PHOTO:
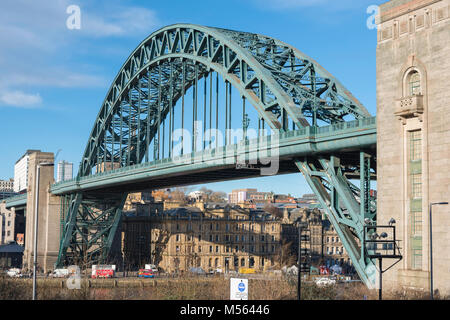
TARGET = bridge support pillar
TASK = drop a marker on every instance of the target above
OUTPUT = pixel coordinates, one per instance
(48, 215)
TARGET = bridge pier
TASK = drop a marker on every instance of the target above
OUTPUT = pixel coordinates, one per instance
(48, 215)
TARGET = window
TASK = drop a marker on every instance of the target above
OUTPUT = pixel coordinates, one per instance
(414, 83)
(415, 198)
(415, 138)
(416, 186)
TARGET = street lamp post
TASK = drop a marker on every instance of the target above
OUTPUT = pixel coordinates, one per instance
(299, 272)
(36, 211)
(431, 245)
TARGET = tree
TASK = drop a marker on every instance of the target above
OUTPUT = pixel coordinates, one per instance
(277, 212)
(218, 196)
(285, 254)
(179, 194)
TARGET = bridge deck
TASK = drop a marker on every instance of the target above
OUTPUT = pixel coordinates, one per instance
(220, 164)
(16, 201)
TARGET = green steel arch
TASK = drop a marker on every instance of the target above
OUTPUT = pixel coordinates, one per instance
(281, 82)
(284, 85)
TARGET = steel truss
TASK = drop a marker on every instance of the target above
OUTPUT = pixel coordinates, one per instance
(281, 83)
(345, 205)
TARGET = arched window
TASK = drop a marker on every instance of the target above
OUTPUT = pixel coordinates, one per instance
(414, 83)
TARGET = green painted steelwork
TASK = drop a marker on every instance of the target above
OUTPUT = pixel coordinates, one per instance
(16, 201)
(353, 135)
(282, 84)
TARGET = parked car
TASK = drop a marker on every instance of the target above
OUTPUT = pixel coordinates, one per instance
(146, 273)
(198, 271)
(14, 273)
(323, 282)
(60, 273)
(151, 267)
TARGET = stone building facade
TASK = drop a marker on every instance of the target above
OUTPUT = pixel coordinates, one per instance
(413, 116)
(208, 236)
(324, 243)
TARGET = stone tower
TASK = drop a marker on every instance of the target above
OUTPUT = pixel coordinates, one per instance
(413, 116)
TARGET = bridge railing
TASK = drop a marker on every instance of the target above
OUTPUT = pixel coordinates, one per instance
(17, 199)
(265, 140)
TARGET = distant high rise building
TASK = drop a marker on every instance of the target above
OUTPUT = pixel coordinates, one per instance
(64, 171)
(242, 195)
(21, 171)
(6, 188)
(7, 185)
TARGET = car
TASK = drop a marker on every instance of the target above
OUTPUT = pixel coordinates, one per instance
(14, 273)
(146, 273)
(152, 267)
(323, 282)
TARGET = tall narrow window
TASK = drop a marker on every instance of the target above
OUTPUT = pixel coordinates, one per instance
(414, 83)
(415, 198)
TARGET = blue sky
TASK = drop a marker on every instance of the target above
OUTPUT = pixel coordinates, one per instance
(54, 80)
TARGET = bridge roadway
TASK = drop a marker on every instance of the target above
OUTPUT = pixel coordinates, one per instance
(345, 140)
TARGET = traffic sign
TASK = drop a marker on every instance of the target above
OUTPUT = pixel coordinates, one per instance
(238, 289)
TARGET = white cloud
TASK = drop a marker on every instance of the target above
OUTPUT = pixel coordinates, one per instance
(20, 99)
(296, 4)
(122, 21)
(38, 50)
